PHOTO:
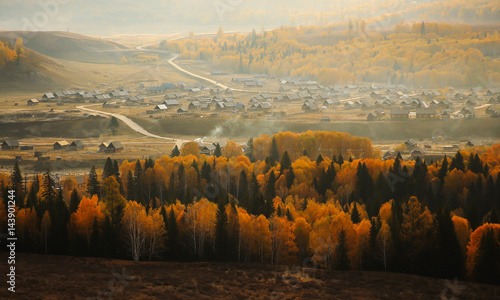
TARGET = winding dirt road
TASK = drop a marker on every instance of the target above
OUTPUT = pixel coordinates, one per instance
(133, 125)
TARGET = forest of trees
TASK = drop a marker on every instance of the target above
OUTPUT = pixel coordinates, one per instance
(420, 54)
(11, 54)
(274, 205)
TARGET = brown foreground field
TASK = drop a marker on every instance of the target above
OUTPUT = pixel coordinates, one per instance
(64, 277)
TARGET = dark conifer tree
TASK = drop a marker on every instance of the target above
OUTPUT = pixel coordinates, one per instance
(173, 233)
(116, 173)
(487, 267)
(274, 153)
(93, 185)
(290, 177)
(249, 150)
(218, 150)
(59, 216)
(205, 171)
(32, 199)
(16, 179)
(221, 233)
(355, 214)
(180, 186)
(285, 163)
(74, 201)
(450, 256)
(49, 190)
(340, 160)
(131, 192)
(243, 193)
(108, 169)
(270, 192)
(341, 259)
(444, 169)
(175, 152)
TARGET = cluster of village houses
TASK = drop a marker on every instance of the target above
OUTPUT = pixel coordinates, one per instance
(63, 145)
(380, 103)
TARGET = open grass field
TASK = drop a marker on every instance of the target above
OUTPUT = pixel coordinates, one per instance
(234, 127)
(64, 277)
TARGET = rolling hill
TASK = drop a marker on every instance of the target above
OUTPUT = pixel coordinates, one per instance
(68, 46)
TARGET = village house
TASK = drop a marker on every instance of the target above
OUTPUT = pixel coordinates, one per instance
(331, 103)
(161, 108)
(309, 106)
(76, 145)
(376, 115)
(10, 145)
(32, 102)
(489, 110)
(60, 145)
(48, 96)
(182, 111)
(264, 106)
(468, 112)
(399, 114)
(428, 113)
(103, 146)
(172, 102)
(410, 144)
(194, 105)
(417, 153)
(446, 114)
(114, 147)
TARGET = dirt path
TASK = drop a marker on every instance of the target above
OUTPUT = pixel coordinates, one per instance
(134, 126)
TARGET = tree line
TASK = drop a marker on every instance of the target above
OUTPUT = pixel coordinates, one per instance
(419, 54)
(429, 218)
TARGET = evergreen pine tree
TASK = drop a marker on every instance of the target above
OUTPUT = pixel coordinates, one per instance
(341, 258)
(285, 163)
(218, 150)
(450, 254)
(173, 232)
(444, 169)
(116, 172)
(221, 233)
(274, 153)
(108, 169)
(249, 150)
(487, 267)
(74, 201)
(17, 184)
(175, 152)
(131, 192)
(340, 160)
(243, 193)
(355, 214)
(93, 185)
(270, 192)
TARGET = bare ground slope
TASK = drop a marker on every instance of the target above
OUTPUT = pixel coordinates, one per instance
(64, 277)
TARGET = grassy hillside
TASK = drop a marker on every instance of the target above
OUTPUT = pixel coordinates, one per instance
(28, 70)
(69, 46)
(86, 278)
